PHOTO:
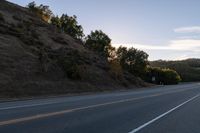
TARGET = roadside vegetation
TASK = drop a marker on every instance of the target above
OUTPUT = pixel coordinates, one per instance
(120, 60)
(164, 76)
(189, 70)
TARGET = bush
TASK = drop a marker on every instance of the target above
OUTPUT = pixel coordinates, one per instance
(70, 64)
(162, 76)
(1, 17)
(71, 69)
(59, 39)
(15, 30)
(170, 76)
(27, 24)
(17, 18)
(42, 11)
(116, 69)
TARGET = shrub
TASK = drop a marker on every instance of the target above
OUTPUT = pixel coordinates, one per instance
(1, 17)
(116, 69)
(20, 25)
(17, 18)
(15, 31)
(162, 76)
(59, 39)
(170, 76)
(34, 34)
(70, 64)
(27, 24)
(71, 69)
(42, 11)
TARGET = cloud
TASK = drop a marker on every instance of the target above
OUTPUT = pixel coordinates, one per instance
(192, 29)
(185, 44)
(174, 50)
(142, 46)
(180, 45)
(189, 37)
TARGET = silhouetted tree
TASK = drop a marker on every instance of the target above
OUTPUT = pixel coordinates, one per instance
(133, 60)
(42, 11)
(56, 21)
(69, 25)
(99, 42)
(32, 5)
(162, 76)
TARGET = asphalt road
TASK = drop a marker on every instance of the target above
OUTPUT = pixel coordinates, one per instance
(165, 109)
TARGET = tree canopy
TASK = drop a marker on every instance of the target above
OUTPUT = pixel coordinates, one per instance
(162, 76)
(42, 11)
(69, 25)
(133, 60)
(100, 42)
(122, 59)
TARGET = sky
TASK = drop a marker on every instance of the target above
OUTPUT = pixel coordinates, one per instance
(165, 29)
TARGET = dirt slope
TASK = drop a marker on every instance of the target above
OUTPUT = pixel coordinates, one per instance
(35, 57)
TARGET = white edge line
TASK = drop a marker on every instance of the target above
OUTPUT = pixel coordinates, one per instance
(162, 115)
(71, 110)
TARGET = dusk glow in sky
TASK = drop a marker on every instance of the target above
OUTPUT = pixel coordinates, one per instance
(165, 29)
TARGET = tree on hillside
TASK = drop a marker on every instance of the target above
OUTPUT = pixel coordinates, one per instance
(32, 5)
(133, 60)
(42, 11)
(122, 53)
(55, 20)
(99, 42)
(69, 25)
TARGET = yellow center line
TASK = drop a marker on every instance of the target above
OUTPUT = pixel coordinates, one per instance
(39, 116)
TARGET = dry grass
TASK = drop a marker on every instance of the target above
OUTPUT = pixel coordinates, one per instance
(38, 60)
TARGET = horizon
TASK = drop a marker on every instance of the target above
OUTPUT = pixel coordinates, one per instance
(167, 30)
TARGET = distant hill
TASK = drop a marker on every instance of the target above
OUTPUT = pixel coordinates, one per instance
(35, 58)
(189, 69)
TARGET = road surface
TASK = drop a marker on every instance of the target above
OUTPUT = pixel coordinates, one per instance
(164, 109)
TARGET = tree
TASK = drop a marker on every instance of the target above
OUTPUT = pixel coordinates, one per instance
(32, 5)
(45, 12)
(70, 26)
(111, 53)
(162, 76)
(42, 11)
(133, 60)
(56, 21)
(99, 42)
(122, 53)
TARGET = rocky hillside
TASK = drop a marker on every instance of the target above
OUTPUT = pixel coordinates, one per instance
(37, 59)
